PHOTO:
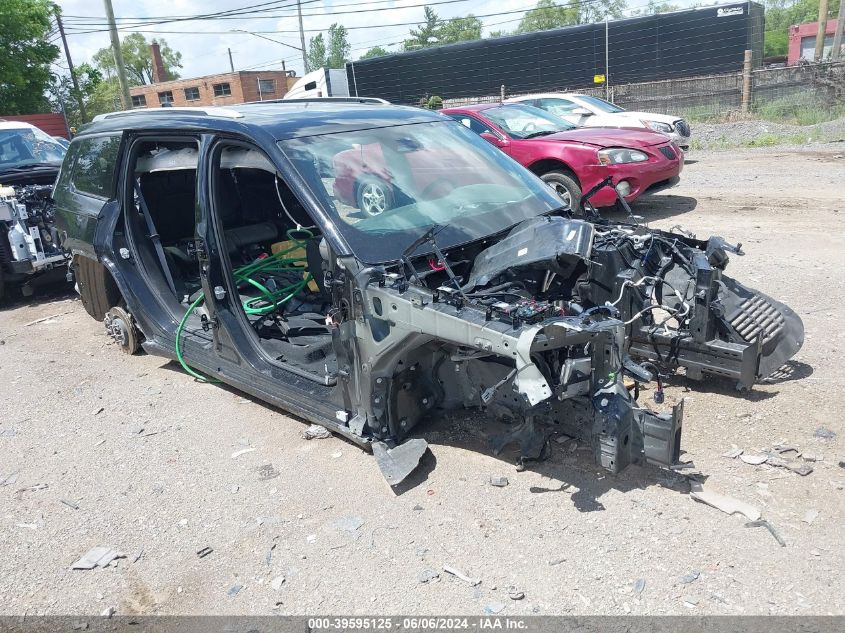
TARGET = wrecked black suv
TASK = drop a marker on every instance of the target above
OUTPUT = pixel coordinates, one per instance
(365, 266)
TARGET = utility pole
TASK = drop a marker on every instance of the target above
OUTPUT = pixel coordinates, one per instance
(231, 63)
(837, 39)
(118, 56)
(606, 58)
(302, 38)
(76, 90)
(822, 30)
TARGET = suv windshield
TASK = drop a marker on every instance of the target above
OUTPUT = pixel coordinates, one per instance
(523, 121)
(601, 104)
(27, 146)
(386, 186)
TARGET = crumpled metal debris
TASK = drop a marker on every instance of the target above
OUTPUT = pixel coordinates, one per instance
(399, 462)
(98, 557)
(769, 527)
(726, 504)
(316, 432)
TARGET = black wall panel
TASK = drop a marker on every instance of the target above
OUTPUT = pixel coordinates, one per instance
(703, 41)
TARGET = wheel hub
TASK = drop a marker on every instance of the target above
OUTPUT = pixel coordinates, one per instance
(121, 327)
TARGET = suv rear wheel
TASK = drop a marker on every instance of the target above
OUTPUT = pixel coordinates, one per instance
(98, 290)
(564, 185)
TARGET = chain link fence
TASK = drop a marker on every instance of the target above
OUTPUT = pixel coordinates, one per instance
(774, 91)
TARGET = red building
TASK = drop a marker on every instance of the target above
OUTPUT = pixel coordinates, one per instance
(52, 123)
(802, 41)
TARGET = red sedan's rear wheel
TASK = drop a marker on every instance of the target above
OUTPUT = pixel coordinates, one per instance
(374, 196)
(564, 185)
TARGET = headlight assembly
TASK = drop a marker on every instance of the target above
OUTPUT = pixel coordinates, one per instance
(658, 126)
(620, 156)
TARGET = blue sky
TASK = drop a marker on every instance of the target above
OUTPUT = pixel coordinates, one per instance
(205, 52)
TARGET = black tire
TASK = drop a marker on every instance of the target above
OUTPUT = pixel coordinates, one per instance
(98, 290)
(373, 196)
(2, 283)
(566, 186)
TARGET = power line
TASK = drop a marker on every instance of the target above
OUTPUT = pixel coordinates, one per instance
(348, 28)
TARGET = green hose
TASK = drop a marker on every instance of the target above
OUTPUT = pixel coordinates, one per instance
(268, 300)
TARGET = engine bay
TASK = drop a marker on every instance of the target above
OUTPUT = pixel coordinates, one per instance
(29, 240)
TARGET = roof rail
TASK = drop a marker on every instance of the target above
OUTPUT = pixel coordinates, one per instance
(370, 100)
(226, 113)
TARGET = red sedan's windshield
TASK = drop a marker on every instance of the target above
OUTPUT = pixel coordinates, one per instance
(386, 186)
(522, 122)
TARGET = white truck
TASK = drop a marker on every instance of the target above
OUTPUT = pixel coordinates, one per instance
(323, 82)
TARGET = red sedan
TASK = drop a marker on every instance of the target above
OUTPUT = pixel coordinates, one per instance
(572, 160)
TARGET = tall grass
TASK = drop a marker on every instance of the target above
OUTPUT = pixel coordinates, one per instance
(799, 110)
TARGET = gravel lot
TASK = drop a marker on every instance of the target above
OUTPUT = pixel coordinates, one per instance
(100, 449)
(739, 133)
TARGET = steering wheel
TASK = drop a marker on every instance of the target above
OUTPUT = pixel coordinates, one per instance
(529, 127)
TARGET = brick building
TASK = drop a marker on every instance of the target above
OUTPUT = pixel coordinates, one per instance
(211, 90)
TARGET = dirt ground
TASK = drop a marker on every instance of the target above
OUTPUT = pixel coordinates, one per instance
(100, 449)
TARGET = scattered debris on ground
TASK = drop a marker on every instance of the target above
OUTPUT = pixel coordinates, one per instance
(97, 557)
(316, 432)
(266, 472)
(205, 551)
(764, 523)
(428, 575)
(461, 576)
(499, 482)
(726, 504)
(243, 451)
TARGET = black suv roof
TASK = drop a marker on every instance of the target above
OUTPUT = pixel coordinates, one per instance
(279, 119)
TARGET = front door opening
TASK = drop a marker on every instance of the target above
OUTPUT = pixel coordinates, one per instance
(276, 256)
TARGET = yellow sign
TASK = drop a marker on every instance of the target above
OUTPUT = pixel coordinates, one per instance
(598, 79)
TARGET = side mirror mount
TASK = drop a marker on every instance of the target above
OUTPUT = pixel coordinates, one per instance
(582, 112)
(492, 138)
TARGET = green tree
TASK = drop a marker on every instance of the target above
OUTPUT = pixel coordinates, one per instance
(137, 59)
(775, 43)
(375, 51)
(104, 98)
(460, 30)
(548, 14)
(591, 12)
(654, 7)
(339, 47)
(62, 94)
(426, 34)
(26, 55)
(499, 33)
(316, 56)
(781, 14)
